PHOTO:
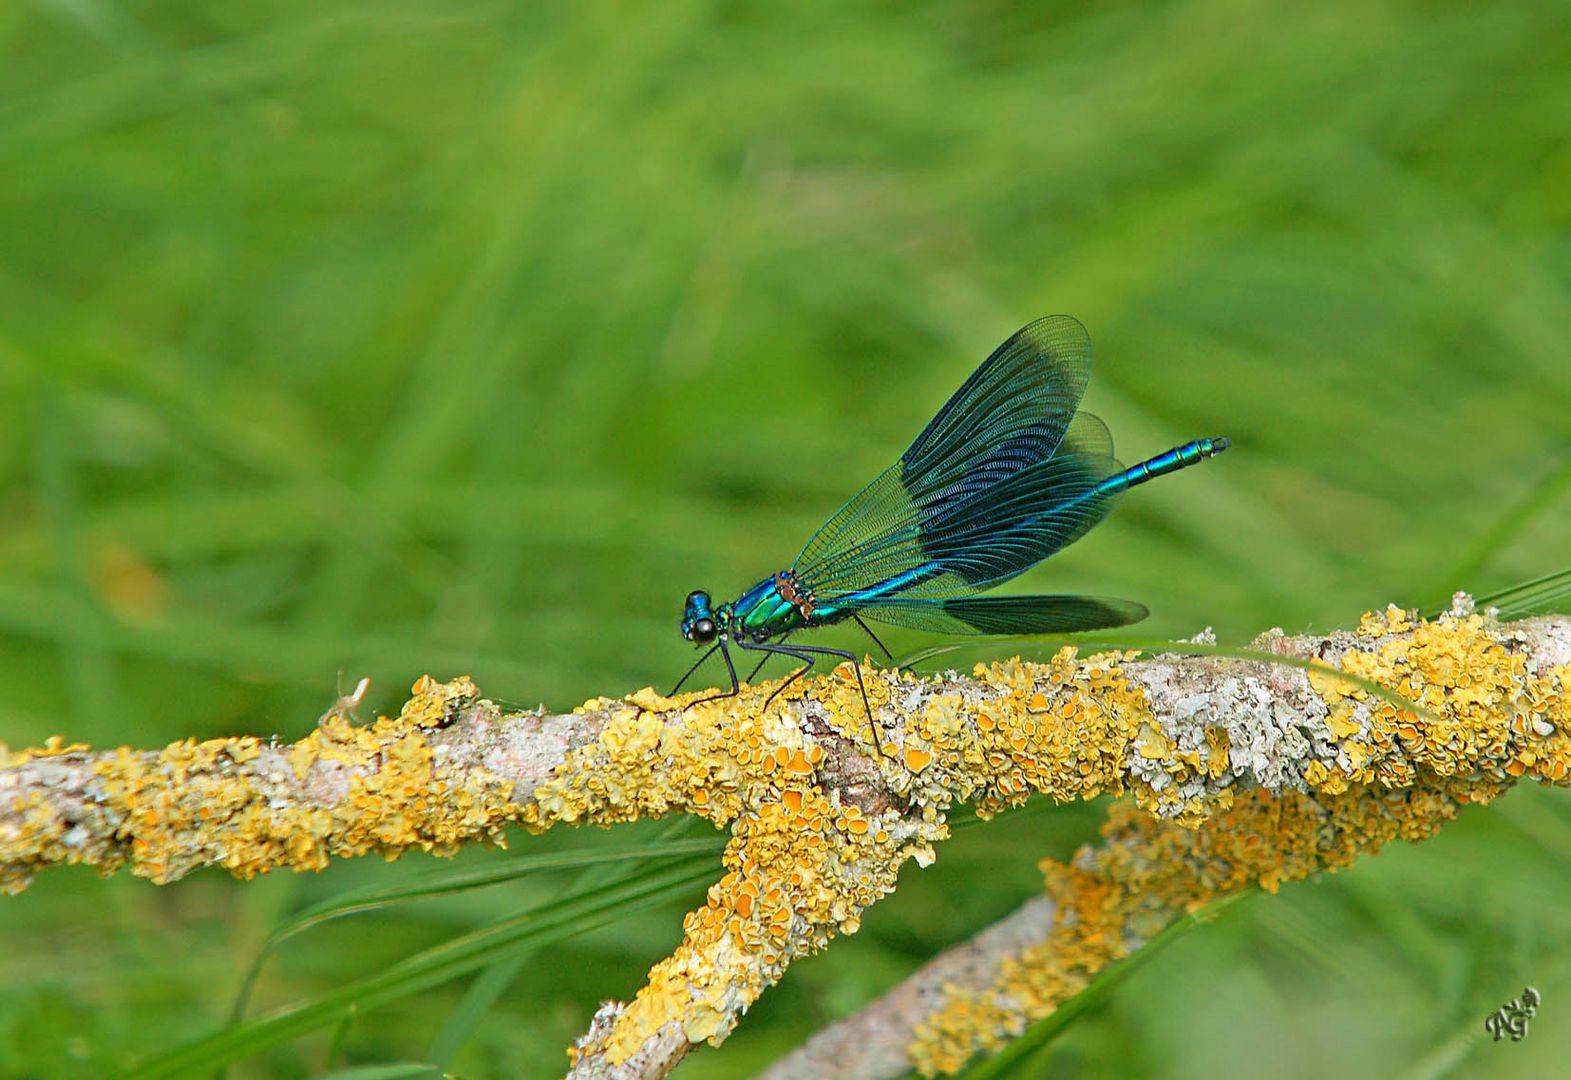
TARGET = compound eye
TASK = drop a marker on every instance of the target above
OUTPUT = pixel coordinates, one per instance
(695, 596)
(704, 631)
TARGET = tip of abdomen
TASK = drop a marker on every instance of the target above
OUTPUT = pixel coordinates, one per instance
(1215, 446)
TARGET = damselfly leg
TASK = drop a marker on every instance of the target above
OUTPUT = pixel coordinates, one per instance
(725, 654)
(887, 654)
(765, 659)
(808, 655)
(689, 674)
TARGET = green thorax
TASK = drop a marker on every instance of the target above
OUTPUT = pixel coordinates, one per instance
(773, 607)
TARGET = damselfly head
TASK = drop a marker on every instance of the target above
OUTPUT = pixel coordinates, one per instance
(698, 622)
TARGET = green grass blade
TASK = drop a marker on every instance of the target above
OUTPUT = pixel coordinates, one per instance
(493, 982)
(1511, 523)
(477, 1001)
(335, 1047)
(450, 882)
(542, 925)
(1529, 597)
(401, 1070)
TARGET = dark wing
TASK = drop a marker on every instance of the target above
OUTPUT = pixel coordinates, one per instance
(1008, 614)
(1011, 413)
(973, 533)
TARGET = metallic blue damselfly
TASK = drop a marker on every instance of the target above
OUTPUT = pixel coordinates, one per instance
(1006, 474)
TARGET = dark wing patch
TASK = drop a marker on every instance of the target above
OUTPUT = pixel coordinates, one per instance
(972, 535)
(1003, 615)
(1012, 413)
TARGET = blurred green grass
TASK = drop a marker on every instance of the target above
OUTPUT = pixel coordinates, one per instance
(409, 337)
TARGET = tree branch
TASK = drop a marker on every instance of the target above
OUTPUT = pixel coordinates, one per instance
(820, 823)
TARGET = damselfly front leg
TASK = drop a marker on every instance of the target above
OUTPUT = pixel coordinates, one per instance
(765, 659)
(725, 653)
(808, 655)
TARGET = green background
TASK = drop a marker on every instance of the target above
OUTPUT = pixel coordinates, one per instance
(381, 339)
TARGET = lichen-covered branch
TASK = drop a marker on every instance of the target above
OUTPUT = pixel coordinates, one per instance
(1302, 769)
(1500, 699)
(1110, 901)
(880, 1040)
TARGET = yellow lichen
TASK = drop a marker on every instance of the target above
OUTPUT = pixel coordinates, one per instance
(371, 788)
(802, 865)
(806, 858)
(1486, 718)
(1146, 874)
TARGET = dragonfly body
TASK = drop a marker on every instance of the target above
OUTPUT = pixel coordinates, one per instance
(1006, 473)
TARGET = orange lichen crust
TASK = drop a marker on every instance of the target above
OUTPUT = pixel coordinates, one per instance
(1146, 874)
(813, 843)
(821, 814)
(818, 836)
(1489, 709)
(249, 805)
(1385, 773)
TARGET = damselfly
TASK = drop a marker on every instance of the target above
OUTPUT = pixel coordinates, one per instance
(1006, 474)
